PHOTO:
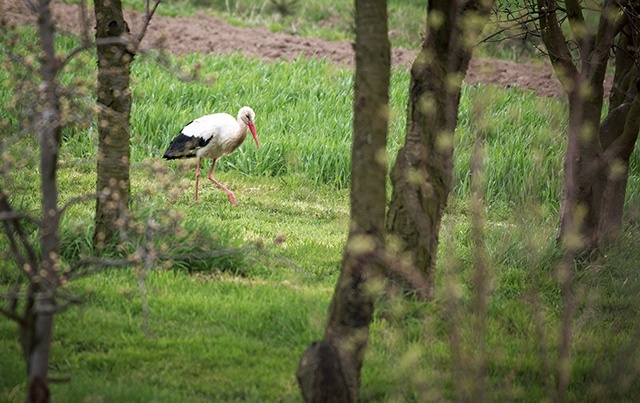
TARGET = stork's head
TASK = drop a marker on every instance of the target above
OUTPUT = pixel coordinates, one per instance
(248, 116)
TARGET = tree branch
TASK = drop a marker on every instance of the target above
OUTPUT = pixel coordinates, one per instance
(14, 215)
(147, 19)
(578, 25)
(91, 44)
(556, 45)
(78, 199)
(12, 228)
(607, 30)
(204, 255)
(96, 265)
(12, 316)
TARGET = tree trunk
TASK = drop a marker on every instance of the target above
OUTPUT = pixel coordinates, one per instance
(583, 181)
(421, 176)
(585, 178)
(329, 371)
(620, 137)
(40, 321)
(619, 132)
(114, 111)
(590, 148)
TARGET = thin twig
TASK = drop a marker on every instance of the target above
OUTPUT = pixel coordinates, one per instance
(147, 20)
(91, 44)
(96, 265)
(12, 316)
(78, 199)
(204, 255)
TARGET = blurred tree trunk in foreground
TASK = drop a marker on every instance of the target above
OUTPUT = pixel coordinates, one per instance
(49, 132)
(421, 176)
(33, 305)
(33, 309)
(329, 370)
(114, 112)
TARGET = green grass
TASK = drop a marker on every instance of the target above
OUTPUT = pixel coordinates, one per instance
(233, 328)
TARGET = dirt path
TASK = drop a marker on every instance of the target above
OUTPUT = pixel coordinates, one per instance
(206, 34)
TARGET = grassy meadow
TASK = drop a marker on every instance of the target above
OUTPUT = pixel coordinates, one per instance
(233, 327)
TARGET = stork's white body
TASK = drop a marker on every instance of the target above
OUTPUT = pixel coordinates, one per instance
(213, 136)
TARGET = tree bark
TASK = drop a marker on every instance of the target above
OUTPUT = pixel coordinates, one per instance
(619, 133)
(590, 185)
(421, 176)
(49, 131)
(596, 165)
(329, 371)
(114, 111)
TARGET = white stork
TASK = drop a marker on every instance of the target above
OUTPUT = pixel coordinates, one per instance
(213, 136)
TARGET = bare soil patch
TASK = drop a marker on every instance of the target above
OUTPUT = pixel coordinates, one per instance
(208, 35)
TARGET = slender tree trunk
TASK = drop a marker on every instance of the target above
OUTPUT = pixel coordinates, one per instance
(329, 371)
(114, 111)
(49, 138)
(421, 176)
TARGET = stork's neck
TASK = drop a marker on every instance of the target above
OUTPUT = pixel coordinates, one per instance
(243, 127)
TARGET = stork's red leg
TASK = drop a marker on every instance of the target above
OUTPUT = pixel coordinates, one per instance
(232, 197)
(197, 175)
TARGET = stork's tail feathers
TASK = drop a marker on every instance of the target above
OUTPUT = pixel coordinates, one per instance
(184, 147)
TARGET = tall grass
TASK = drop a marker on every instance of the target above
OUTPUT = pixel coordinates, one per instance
(304, 117)
(294, 119)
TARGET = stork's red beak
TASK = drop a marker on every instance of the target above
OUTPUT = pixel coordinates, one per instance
(253, 133)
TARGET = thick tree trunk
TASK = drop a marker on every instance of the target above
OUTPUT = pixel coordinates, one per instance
(114, 111)
(583, 181)
(329, 371)
(421, 176)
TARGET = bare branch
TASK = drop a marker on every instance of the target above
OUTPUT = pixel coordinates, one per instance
(96, 265)
(78, 199)
(12, 228)
(13, 215)
(92, 44)
(518, 22)
(205, 255)
(70, 301)
(147, 19)
(12, 316)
